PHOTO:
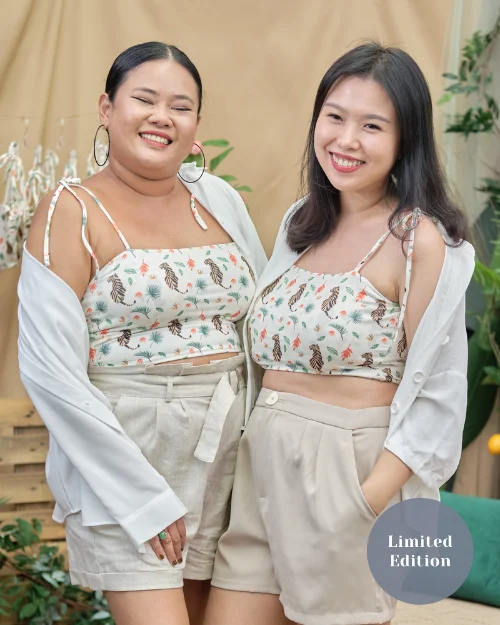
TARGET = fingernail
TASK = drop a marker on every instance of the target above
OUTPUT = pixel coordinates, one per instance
(161, 556)
(174, 562)
(180, 560)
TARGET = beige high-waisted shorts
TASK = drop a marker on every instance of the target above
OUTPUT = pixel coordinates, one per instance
(187, 422)
(299, 520)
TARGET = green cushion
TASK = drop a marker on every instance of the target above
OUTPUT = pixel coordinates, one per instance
(482, 517)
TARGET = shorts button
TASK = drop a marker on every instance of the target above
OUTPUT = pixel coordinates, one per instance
(445, 340)
(272, 399)
(395, 407)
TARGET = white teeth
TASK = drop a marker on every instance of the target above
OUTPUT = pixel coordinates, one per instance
(345, 163)
(156, 138)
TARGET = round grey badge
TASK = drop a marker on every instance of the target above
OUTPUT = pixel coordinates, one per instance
(420, 551)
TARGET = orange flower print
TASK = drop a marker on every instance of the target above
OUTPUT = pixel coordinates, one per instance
(263, 335)
(154, 325)
(343, 313)
(191, 263)
(140, 361)
(89, 310)
(193, 331)
(136, 317)
(92, 287)
(383, 340)
(122, 319)
(296, 342)
(346, 353)
(188, 305)
(236, 314)
(144, 268)
(229, 300)
(189, 285)
(191, 351)
(319, 289)
(202, 317)
(332, 333)
(138, 294)
(104, 332)
(92, 352)
(291, 283)
(361, 295)
(233, 280)
(232, 258)
(142, 339)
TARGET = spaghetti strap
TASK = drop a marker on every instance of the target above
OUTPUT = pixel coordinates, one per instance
(99, 204)
(383, 238)
(64, 184)
(409, 258)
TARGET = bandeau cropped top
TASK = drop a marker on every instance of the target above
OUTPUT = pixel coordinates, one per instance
(331, 324)
(151, 306)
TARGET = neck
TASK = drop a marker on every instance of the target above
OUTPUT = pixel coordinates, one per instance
(357, 202)
(118, 175)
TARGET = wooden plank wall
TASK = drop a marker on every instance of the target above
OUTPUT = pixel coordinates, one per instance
(24, 443)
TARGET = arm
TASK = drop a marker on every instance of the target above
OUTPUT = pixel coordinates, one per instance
(391, 472)
(53, 358)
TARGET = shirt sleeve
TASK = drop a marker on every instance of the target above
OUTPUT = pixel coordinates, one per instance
(53, 356)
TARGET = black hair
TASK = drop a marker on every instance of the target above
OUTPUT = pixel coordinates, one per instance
(417, 178)
(141, 53)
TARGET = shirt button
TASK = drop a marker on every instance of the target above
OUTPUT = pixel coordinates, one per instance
(272, 399)
(394, 407)
(445, 340)
(418, 377)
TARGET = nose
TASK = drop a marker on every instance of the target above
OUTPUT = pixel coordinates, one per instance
(347, 137)
(161, 116)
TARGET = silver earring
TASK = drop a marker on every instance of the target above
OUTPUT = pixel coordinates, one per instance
(394, 180)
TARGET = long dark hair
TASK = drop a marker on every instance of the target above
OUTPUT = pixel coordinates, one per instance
(141, 53)
(420, 178)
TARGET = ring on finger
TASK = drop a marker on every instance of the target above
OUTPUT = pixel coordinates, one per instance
(162, 535)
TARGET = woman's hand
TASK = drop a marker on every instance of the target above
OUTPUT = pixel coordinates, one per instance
(374, 499)
(170, 542)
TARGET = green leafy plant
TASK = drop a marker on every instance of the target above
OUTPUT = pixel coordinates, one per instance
(474, 80)
(37, 590)
(213, 163)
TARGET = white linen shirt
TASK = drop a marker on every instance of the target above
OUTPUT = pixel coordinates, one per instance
(428, 410)
(92, 465)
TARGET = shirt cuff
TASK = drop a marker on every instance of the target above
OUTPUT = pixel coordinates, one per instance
(154, 517)
(412, 461)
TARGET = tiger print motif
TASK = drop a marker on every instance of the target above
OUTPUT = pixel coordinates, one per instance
(330, 301)
(388, 374)
(316, 360)
(124, 339)
(379, 313)
(269, 289)
(171, 279)
(175, 327)
(368, 362)
(215, 273)
(250, 271)
(403, 344)
(295, 298)
(118, 291)
(277, 348)
(216, 320)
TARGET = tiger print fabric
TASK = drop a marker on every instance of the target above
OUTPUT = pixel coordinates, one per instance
(331, 324)
(150, 306)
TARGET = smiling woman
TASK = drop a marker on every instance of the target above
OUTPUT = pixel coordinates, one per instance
(143, 440)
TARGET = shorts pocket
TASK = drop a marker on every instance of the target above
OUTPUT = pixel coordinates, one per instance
(354, 473)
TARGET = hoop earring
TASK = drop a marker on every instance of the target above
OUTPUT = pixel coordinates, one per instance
(109, 146)
(202, 171)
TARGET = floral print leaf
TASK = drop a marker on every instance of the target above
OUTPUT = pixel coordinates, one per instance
(321, 338)
(304, 324)
(344, 298)
(144, 354)
(130, 281)
(344, 280)
(130, 270)
(332, 350)
(287, 340)
(197, 346)
(156, 337)
(159, 309)
(355, 334)
(349, 290)
(374, 346)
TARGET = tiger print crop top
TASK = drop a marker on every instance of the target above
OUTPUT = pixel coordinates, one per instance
(331, 324)
(152, 306)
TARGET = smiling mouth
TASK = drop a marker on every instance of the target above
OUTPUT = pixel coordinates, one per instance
(155, 138)
(344, 162)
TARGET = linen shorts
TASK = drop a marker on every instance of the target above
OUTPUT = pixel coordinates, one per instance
(187, 422)
(299, 520)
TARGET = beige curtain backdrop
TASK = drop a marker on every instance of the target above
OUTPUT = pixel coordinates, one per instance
(260, 62)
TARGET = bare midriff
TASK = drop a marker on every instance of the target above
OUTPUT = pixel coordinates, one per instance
(346, 392)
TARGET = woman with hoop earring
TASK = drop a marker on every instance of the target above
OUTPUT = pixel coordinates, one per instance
(133, 289)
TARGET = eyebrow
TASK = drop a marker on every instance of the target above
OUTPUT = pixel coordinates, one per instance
(369, 116)
(153, 92)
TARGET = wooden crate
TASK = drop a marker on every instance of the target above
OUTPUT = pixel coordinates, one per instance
(24, 443)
